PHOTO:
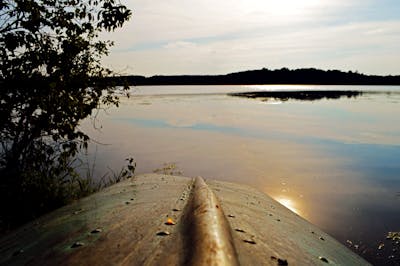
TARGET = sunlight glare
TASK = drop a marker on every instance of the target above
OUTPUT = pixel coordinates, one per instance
(289, 6)
(288, 203)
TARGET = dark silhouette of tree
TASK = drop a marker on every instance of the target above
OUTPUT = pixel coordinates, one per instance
(50, 78)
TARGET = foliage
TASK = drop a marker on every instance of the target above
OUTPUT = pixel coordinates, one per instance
(50, 78)
(87, 185)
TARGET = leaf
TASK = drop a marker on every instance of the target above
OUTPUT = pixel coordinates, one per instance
(49, 59)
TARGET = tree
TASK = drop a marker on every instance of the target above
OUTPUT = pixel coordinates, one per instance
(50, 78)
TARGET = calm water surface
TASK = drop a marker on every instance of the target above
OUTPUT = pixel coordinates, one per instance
(334, 162)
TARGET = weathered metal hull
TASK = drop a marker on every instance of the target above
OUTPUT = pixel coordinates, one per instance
(168, 220)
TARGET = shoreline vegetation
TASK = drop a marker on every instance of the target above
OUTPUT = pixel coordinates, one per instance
(51, 79)
(307, 76)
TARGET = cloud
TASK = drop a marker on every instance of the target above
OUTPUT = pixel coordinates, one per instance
(180, 45)
(204, 37)
(165, 21)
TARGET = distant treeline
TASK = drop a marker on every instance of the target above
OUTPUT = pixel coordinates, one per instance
(266, 76)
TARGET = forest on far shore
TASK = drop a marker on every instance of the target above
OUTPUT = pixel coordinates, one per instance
(265, 76)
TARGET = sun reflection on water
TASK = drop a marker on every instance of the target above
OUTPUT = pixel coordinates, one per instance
(289, 203)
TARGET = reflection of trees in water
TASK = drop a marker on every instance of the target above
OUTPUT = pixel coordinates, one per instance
(298, 95)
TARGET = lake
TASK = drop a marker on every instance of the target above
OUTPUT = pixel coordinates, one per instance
(335, 162)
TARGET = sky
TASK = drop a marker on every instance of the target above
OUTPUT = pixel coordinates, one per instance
(171, 37)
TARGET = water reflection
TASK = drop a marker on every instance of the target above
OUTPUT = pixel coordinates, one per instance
(288, 203)
(304, 95)
(336, 163)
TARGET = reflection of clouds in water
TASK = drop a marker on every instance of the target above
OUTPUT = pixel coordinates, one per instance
(372, 137)
(238, 140)
(181, 123)
(303, 124)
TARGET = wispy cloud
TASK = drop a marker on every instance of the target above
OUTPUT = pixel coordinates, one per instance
(205, 37)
